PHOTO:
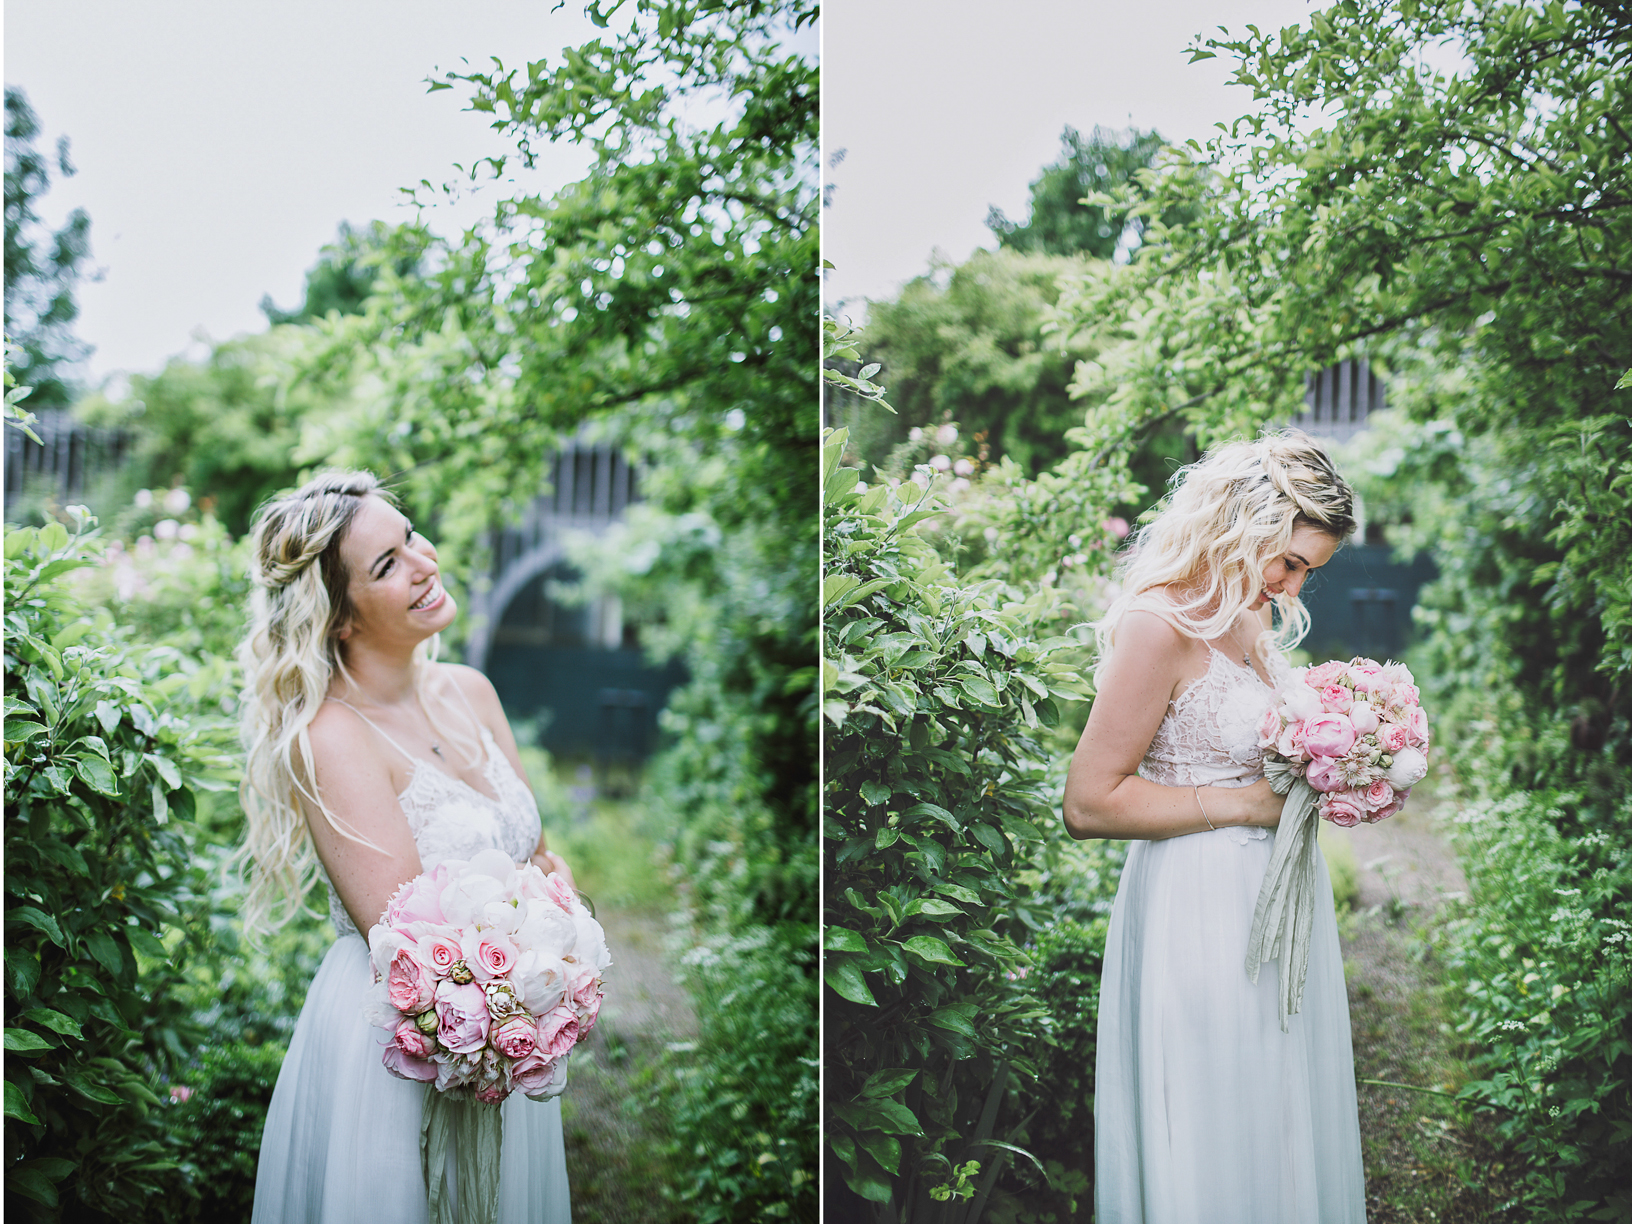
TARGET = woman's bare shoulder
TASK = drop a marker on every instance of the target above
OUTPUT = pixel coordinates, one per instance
(476, 687)
(1146, 630)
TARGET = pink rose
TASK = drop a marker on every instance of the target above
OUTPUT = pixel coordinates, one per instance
(410, 985)
(557, 1031)
(1328, 735)
(587, 1013)
(1417, 727)
(1323, 774)
(1291, 745)
(489, 954)
(179, 1093)
(492, 1094)
(1378, 795)
(514, 1038)
(559, 891)
(461, 1013)
(533, 1072)
(1326, 673)
(412, 1041)
(1336, 698)
(440, 952)
(406, 1067)
(1367, 675)
(419, 900)
(1364, 717)
(1343, 809)
(1391, 737)
(1394, 805)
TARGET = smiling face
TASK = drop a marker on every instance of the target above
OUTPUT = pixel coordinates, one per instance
(1309, 549)
(394, 585)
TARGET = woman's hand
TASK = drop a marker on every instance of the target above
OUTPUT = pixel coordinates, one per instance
(548, 861)
(1258, 806)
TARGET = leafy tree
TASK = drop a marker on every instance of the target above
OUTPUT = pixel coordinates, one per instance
(1059, 222)
(41, 269)
(346, 273)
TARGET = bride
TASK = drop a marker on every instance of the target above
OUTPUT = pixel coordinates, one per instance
(1205, 1112)
(368, 762)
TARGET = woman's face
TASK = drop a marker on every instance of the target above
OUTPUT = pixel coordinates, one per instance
(1309, 549)
(396, 593)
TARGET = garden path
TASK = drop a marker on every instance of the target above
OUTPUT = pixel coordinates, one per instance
(1425, 1160)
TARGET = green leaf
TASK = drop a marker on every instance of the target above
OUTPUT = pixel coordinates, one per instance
(161, 805)
(886, 1149)
(108, 715)
(841, 939)
(166, 769)
(29, 916)
(21, 730)
(978, 690)
(16, 1104)
(93, 1092)
(53, 1020)
(105, 949)
(31, 1183)
(97, 774)
(846, 980)
(146, 943)
(21, 1041)
(881, 1114)
(931, 949)
(875, 793)
(935, 811)
(888, 1082)
(951, 1020)
(869, 1181)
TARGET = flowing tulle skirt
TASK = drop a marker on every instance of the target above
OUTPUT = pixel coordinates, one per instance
(1205, 1112)
(341, 1144)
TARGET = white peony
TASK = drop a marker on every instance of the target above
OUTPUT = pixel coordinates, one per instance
(1410, 767)
(1301, 702)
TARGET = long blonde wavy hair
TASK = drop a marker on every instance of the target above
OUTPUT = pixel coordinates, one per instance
(1226, 518)
(289, 656)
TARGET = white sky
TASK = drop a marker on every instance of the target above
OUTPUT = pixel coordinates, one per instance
(946, 107)
(219, 145)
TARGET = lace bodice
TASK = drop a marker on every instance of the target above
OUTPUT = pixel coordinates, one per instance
(1209, 736)
(450, 819)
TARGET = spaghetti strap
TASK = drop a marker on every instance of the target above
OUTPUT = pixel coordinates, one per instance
(481, 727)
(412, 759)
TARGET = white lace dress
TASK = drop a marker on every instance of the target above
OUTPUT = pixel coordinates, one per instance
(1205, 1112)
(341, 1144)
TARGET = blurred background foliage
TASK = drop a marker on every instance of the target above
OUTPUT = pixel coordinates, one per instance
(666, 303)
(1465, 226)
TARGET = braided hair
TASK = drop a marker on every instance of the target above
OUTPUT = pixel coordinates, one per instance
(1226, 518)
(289, 656)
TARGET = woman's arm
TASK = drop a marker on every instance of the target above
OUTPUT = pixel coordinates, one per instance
(484, 702)
(1104, 796)
(355, 782)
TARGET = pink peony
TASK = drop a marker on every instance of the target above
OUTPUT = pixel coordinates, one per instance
(411, 1041)
(1269, 728)
(462, 1020)
(410, 985)
(1364, 717)
(1417, 726)
(1326, 673)
(515, 1037)
(1378, 795)
(1344, 809)
(1323, 774)
(1367, 675)
(558, 890)
(489, 954)
(533, 1072)
(1290, 745)
(1328, 735)
(419, 900)
(407, 1067)
(557, 1031)
(1336, 699)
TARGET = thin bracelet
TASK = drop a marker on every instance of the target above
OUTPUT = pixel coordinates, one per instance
(1204, 816)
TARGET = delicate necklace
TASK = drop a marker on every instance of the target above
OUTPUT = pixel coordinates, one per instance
(437, 748)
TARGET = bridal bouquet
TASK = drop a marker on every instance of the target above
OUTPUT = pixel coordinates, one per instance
(486, 976)
(1348, 740)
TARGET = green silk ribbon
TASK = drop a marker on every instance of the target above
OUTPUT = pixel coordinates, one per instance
(1284, 917)
(474, 1131)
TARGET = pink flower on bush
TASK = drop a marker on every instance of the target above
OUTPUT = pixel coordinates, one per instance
(1328, 735)
(557, 1031)
(410, 985)
(1336, 698)
(1344, 809)
(515, 1037)
(461, 1013)
(179, 1093)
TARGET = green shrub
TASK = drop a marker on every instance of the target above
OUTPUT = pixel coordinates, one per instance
(937, 781)
(216, 1127)
(104, 752)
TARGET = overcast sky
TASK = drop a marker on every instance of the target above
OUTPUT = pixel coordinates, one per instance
(945, 107)
(220, 145)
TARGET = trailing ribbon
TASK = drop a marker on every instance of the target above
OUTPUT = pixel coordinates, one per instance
(474, 1131)
(1285, 914)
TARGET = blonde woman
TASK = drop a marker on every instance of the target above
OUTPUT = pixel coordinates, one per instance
(368, 762)
(1205, 1112)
